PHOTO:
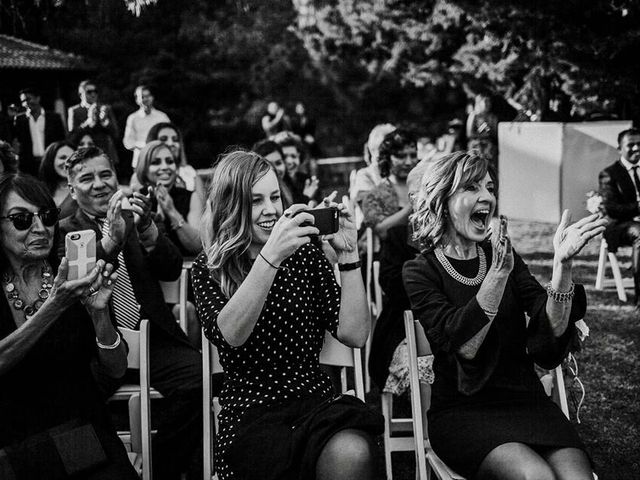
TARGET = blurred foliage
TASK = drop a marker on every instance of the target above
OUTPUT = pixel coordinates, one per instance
(524, 51)
(214, 64)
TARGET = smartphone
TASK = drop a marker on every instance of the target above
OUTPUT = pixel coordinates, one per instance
(150, 192)
(80, 250)
(327, 220)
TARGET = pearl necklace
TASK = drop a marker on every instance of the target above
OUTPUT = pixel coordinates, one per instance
(477, 280)
(17, 303)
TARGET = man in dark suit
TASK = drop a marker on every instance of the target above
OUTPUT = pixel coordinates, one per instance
(35, 130)
(620, 190)
(95, 118)
(128, 237)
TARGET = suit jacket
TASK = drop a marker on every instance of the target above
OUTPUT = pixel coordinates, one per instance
(619, 201)
(53, 132)
(103, 136)
(163, 263)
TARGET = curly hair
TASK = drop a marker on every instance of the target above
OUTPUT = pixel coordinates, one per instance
(446, 176)
(392, 144)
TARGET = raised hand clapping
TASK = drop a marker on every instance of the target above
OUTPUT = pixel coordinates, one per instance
(569, 240)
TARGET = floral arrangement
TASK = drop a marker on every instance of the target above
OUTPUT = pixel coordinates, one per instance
(594, 202)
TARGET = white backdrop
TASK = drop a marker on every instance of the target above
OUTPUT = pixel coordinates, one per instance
(545, 167)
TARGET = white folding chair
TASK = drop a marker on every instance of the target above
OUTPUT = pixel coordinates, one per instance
(139, 397)
(617, 281)
(398, 433)
(420, 400)
(336, 354)
(176, 292)
(210, 405)
(374, 300)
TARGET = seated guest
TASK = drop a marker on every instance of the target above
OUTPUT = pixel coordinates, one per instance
(178, 208)
(53, 172)
(387, 205)
(304, 188)
(388, 365)
(266, 295)
(169, 134)
(368, 177)
(272, 153)
(8, 158)
(128, 236)
(82, 138)
(55, 336)
(620, 187)
(488, 320)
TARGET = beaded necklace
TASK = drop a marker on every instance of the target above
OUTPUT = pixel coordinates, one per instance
(477, 280)
(19, 304)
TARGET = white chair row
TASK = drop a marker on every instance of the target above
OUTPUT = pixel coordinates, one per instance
(601, 282)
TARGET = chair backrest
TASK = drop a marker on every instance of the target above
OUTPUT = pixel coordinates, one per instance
(140, 403)
(337, 354)
(176, 292)
(418, 346)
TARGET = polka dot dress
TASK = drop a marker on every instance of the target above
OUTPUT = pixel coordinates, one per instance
(279, 361)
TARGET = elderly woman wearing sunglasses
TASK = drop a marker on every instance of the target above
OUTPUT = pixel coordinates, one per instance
(56, 336)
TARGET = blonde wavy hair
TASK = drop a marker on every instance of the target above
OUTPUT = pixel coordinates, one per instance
(226, 228)
(440, 182)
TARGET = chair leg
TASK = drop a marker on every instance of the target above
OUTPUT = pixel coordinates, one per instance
(387, 413)
(617, 277)
(602, 260)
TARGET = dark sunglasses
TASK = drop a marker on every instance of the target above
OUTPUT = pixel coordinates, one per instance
(24, 220)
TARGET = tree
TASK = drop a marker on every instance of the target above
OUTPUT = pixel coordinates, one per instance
(521, 50)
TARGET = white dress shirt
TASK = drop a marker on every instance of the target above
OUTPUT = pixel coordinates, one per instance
(36, 128)
(138, 125)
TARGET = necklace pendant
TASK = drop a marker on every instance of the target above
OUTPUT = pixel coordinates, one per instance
(10, 287)
(18, 304)
(43, 293)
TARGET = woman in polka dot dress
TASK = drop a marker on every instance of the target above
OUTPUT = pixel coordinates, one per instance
(265, 296)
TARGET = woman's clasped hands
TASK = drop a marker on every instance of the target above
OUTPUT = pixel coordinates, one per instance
(502, 258)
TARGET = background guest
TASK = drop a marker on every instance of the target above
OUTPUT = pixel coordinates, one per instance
(304, 187)
(53, 172)
(387, 205)
(140, 122)
(178, 209)
(34, 130)
(8, 158)
(272, 153)
(97, 117)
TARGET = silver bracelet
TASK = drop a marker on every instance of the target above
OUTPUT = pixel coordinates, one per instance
(561, 297)
(115, 345)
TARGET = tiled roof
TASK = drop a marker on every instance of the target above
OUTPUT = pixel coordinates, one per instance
(16, 53)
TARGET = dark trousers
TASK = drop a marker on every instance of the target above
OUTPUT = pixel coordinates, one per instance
(630, 235)
(176, 372)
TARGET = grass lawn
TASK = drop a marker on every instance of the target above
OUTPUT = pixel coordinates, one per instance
(609, 364)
